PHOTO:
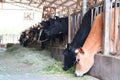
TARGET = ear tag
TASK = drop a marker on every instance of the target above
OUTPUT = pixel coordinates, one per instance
(76, 51)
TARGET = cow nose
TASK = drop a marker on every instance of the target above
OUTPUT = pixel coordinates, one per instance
(75, 74)
(65, 68)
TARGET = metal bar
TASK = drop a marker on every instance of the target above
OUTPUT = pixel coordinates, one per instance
(96, 11)
(69, 25)
(60, 14)
(92, 16)
(119, 27)
(110, 23)
(106, 17)
(114, 45)
(84, 7)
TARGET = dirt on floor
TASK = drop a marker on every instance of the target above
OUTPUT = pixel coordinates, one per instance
(20, 63)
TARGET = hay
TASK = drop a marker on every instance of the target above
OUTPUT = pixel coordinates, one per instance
(39, 62)
(31, 56)
(56, 69)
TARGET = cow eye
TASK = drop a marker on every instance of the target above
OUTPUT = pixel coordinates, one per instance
(77, 60)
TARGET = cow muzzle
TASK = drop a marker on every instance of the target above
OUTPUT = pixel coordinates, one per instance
(65, 68)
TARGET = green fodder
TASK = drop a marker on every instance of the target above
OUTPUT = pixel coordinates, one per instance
(31, 56)
(57, 69)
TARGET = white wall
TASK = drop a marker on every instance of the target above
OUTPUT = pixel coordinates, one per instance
(12, 19)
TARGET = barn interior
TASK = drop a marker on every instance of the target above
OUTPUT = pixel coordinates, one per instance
(37, 60)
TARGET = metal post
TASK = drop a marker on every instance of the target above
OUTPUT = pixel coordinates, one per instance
(69, 25)
(114, 45)
(92, 17)
(60, 14)
(84, 7)
(106, 27)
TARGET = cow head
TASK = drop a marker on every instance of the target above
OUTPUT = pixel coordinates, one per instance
(79, 53)
(84, 61)
(69, 58)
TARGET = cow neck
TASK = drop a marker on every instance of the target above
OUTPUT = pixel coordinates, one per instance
(91, 40)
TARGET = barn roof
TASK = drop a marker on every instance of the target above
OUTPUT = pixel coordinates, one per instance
(58, 4)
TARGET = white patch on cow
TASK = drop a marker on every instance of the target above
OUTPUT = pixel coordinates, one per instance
(79, 73)
(76, 51)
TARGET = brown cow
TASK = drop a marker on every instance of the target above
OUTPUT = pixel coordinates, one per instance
(93, 44)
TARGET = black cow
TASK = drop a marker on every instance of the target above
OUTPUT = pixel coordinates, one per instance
(52, 28)
(59, 26)
(78, 41)
(41, 35)
(22, 37)
(58, 29)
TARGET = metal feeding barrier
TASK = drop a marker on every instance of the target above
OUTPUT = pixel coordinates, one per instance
(9, 38)
(106, 8)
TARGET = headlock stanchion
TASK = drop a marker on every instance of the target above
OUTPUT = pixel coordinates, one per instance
(106, 28)
(69, 25)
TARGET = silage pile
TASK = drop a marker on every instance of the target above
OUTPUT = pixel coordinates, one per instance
(31, 56)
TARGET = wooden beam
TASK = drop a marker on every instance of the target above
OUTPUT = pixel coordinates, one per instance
(106, 46)
(52, 2)
(41, 3)
(72, 4)
(20, 0)
(30, 2)
(62, 3)
(1, 0)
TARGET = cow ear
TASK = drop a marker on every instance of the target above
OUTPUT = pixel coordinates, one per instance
(81, 50)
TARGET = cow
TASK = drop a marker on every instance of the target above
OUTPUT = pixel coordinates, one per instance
(58, 28)
(93, 44)
(52, 28)
(24, 38)
(78, 41)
